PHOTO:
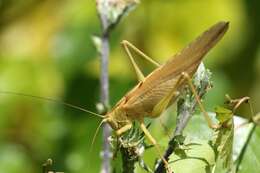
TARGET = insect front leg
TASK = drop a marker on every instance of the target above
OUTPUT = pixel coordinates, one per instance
(153, 141)
(126, 45)
(124, 129)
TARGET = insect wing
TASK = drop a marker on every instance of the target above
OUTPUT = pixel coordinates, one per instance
(143, 98)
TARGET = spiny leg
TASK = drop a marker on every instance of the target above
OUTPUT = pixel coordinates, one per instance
(153, 141)
(126, 45)
(162, 105)
(205, 114)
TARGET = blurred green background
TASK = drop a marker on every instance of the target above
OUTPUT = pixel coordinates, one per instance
(46, 50)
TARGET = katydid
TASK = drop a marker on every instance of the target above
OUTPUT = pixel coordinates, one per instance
(158, 90)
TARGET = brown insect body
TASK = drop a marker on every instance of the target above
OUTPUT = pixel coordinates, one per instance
(141, 100)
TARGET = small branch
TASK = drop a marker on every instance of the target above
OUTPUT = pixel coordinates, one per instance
(104, 92)
(110, 13)
(185, 112)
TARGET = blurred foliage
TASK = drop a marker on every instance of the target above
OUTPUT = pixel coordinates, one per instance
(46, 50)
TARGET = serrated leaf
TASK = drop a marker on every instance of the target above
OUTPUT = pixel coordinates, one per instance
(223, 143)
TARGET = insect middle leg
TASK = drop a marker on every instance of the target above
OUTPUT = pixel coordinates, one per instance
(126, 45)
(153, 141)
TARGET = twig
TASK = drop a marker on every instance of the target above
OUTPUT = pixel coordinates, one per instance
(110, 13)
(104, 92)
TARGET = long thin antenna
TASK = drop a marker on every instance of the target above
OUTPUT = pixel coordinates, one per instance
(51, 100)
(93, 140)
(95, 135)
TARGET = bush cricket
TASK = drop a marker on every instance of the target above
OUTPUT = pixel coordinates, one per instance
(155, 92)
(158, 90)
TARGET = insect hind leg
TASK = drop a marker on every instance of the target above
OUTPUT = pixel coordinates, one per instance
(127, 46)
(187, 77)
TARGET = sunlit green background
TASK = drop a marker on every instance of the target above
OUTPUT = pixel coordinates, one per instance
(46, 50)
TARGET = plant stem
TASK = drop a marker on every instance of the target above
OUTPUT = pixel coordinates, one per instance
(105, 9)
(104, 93)
(105, 100)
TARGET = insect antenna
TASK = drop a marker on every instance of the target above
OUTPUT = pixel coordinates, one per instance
(96, 133)
(65, 104)
(52, 100)
(94, 139)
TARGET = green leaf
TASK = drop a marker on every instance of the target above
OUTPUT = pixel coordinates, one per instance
(223, 143)
(223, 114)
(219, 142)
(251, 160)
(198, 158)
